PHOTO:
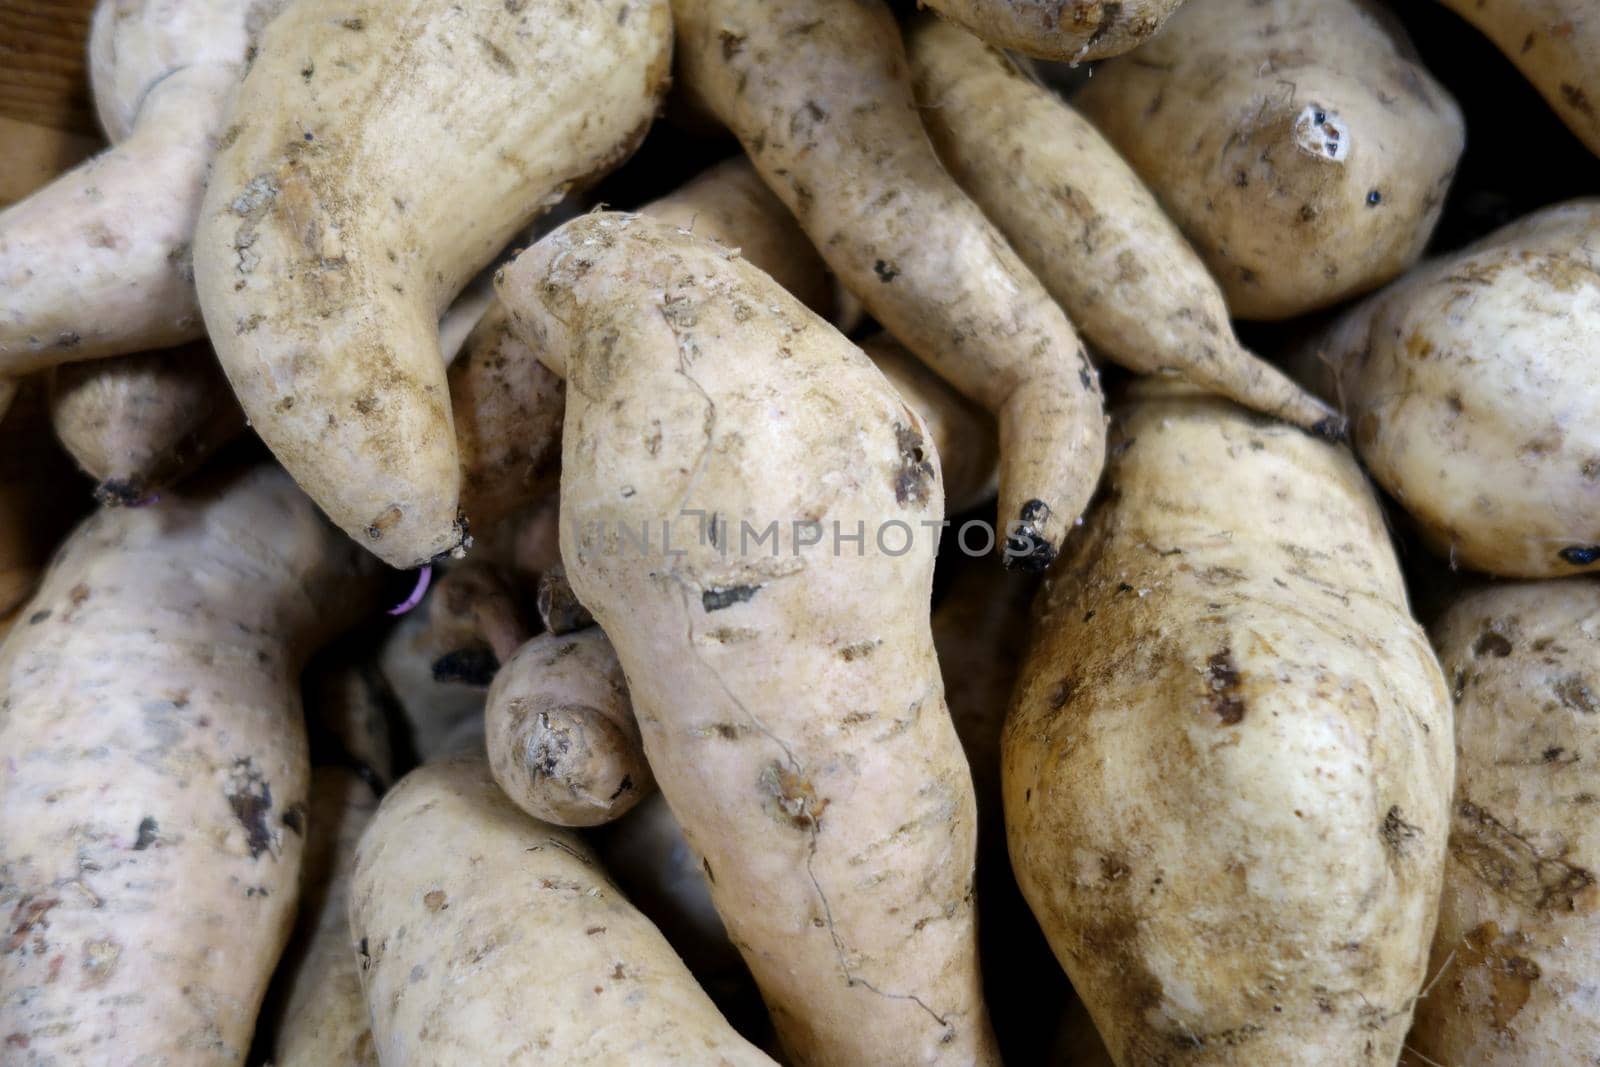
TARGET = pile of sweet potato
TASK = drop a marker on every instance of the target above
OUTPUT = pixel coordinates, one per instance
(800, 531)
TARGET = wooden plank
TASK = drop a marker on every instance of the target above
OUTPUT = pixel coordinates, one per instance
(44, 64)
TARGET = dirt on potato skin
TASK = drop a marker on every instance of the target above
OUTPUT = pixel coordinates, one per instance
(153, 805)
(1516, 943)
(1226, 694)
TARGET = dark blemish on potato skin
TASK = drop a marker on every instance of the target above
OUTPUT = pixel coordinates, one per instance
(1581, 555)
(1396, 832)
(1574, 693)
(294, 817)
(250, 797)
(1025, 549)
(914, 476)
(706, 866)
(1577, 99)
(623, 787)
(1491, 643)
(885, 271)
(1222, 678)
(1510, 865)
(146, 836)
(39, 616)
(717, 599)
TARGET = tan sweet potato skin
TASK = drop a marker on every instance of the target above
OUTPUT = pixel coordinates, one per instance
(153, 795)
(789, 698)
(1471, 390)
(486, 937)
(560, 731)
(1072, 30)
(322, 288)
(324, 1020)
(1219, 114)
(137, 424)
(1556, 45)
(1080, 217)
(1227, 769)
(819, 94)
(1517, 951)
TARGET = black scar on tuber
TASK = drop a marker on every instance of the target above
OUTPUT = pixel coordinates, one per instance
(1581, 555)
(1025, 549)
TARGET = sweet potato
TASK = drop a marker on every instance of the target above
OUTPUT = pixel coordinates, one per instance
(1084, 222)
(486, 937)
(137, 424)
(1071, 30)
(348, 720)
(332, 236)
(1556, 45)
(1227, 769)
(818, 93)
(1298, 143)
(1517, 953)
(787, 692)
(1471, 391)
(97, 263)
(153, 794)
(324, 1021)
(560, 731)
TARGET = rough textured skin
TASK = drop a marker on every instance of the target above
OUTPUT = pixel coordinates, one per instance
(98, 262)
(322, 285)
(819, 94)
(788, 695)
(962, 433)
(1071, 30)
(1471, 388)
(1556, 45)
(507, 413)
(1227, 769)
(153, 794)
(1297, 143)
(731, 204)
(1518, 948)
(508, 406)
(137, 424)
(486, 937)
(324, 1022)
(40, 495)
(1080, 217)
(562, 739)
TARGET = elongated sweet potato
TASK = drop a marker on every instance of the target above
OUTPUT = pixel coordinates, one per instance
(1517, 953)
(137, 424)
(1472, 391)
(324, 1021)
(1298, 143)
(332, 236)
(97, 263)
(1556, 45)
(1084, 222)
(486, 937)
(1072, 30)
(1227, 769)
(786, 688)
(153, 794)
(561, 736)
(818, 93)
